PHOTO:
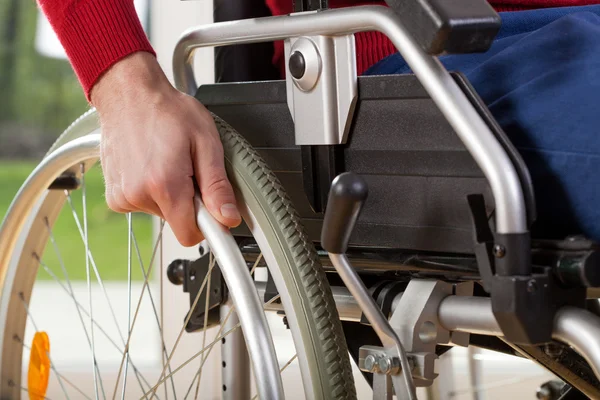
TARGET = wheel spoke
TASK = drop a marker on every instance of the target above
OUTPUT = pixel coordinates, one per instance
(189, 360)
(208, 347)
(162, 321)
(158, 322)
(55, 371)
(137, 310)
(187, 319)
(206, 302)
(82, 309)
(24, 389)
(52, 366)
(89, 282)
(204, 357)
(129, 239)
(94, 267)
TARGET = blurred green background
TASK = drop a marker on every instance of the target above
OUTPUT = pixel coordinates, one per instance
(39, 97)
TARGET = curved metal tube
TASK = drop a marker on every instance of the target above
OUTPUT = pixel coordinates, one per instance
(580, 329)
(249, 308)
(247, 304)
(43, 175)
(472, 130)
(576, 327)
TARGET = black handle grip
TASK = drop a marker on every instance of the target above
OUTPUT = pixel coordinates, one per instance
(346, 197)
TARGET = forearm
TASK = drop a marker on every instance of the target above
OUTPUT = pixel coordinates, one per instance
(96, 34)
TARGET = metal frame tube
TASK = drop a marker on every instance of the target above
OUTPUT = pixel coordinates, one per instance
(573, 326)
(235, 372)
(345, 303)
(247, 304)
(471, 129)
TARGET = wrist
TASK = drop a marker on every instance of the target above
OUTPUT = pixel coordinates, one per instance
(137, 77)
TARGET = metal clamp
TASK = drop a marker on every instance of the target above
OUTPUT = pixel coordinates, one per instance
(321, 87)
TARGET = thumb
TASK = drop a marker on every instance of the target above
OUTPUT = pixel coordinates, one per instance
(217, 193)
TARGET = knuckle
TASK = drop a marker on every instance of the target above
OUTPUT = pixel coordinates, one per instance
(188, 235)
(156, 182)
(218, 185)
(134, 195)
(112, 204)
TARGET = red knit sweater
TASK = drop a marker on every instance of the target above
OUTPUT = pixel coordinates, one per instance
(98, 33)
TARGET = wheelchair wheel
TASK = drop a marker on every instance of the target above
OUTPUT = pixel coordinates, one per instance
(30, 247)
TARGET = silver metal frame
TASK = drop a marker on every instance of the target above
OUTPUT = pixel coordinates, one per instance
(472, 130)
(573, 326)
(248, 306)
(576, 327)
(235, 373)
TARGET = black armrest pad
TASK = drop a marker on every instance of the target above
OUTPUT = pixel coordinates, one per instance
(449, 26)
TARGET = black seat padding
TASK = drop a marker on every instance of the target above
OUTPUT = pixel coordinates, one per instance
(418, 171)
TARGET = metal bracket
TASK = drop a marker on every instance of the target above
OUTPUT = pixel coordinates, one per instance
(383, 366)
(191, 274)
(322, 87)
(415, 319)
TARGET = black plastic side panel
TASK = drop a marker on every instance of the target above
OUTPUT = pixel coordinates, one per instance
(418, 172)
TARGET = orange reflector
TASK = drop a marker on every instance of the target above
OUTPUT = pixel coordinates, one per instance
(39, 366)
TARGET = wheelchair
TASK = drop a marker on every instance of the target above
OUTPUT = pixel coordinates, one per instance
(392, 215)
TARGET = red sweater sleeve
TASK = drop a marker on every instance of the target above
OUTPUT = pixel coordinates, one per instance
(96, 34)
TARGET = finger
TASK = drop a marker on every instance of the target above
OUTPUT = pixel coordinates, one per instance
(112, 180)
(209, 169)
(115, 199)
(138, 195)
(176, 203)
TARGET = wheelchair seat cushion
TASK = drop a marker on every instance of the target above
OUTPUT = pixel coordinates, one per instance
(541, 81)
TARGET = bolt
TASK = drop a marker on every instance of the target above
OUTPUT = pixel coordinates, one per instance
(532, 286)
(553, 350)
(371, 363)
(297, 65)
(385, 365)
(543, 393)
(499, 251)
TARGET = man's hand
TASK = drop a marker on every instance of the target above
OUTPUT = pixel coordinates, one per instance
(155, 140)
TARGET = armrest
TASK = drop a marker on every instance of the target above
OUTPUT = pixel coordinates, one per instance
(449, 26)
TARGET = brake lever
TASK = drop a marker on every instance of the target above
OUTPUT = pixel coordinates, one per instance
(346, 197)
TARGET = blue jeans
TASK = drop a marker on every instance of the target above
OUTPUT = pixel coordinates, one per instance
(541, 81)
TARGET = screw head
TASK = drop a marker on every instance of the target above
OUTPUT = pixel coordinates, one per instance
(499, 251)
(543, 393)
(532, 286)
(297, 65)
(370, 363)
(553, 350)
(385, 365)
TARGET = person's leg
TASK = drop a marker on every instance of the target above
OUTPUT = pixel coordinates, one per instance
(541, 81)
